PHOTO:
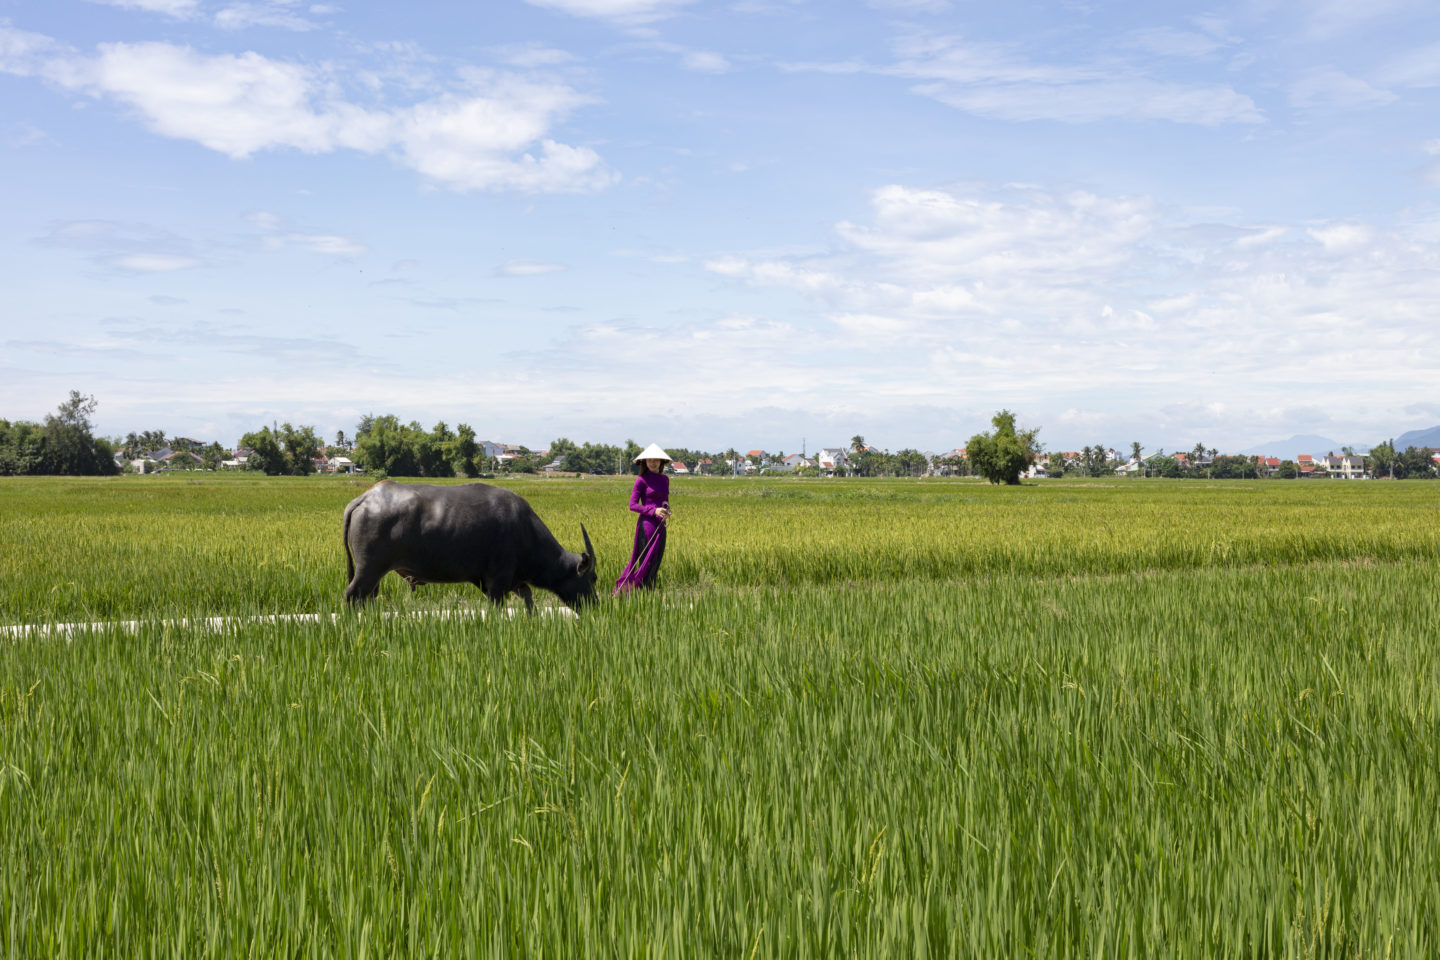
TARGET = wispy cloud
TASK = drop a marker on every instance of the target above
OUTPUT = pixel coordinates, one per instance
(272, 13)
(526, 268)
(1001, 82)
(1335, 89)
(529, 55)
(619, 11)
(127, 247)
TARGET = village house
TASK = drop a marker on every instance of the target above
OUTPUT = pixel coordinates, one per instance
(1346, 467)
(830, 460)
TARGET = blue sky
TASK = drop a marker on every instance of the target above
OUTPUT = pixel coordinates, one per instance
(753, 223)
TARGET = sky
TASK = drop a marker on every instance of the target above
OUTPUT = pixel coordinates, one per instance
(750, 223)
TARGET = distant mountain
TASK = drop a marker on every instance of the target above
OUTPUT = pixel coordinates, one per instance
(1419, 438)
(1304, 443)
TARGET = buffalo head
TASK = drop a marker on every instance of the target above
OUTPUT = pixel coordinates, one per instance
(577, 588)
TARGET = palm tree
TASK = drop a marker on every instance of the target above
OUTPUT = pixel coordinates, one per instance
(1135, 451)
(857, 443)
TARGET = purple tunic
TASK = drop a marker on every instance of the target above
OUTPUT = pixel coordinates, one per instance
(652, 490)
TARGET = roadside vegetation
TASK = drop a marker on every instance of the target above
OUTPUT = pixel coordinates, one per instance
(862, 718)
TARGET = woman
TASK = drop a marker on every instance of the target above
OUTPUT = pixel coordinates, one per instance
(651, 499)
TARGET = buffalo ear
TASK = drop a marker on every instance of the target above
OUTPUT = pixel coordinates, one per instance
(587, 563)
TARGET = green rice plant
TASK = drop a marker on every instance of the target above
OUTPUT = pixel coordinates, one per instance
(1075, 720)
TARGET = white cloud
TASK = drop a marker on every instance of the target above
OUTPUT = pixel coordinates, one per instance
(976, 292)
(489, 133)
(621, 11)
(1342, 237)
(704, 61)
(1330, 88)
(1261, 236)
(323, 243)
(152, 262)
(25, 54)
(171, 8)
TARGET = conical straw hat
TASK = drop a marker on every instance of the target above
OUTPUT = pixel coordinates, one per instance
(652, 452)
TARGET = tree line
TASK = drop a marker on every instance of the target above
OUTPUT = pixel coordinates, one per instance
(65, 444)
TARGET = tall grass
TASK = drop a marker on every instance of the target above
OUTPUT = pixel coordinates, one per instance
(1205, 755)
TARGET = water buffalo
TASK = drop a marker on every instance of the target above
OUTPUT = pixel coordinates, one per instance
(473, 533)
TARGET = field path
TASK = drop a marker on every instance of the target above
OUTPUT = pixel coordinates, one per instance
(24, 631)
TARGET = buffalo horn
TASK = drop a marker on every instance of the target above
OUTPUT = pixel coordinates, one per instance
(589, 550)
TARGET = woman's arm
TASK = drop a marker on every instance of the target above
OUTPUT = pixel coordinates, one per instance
(637, 500)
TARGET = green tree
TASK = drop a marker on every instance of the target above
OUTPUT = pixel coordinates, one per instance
(462, 450)
(22, 448)
(383, 446)
(1102, 467)
(560, 449)
(1136, 452)
(213, 455)
(265, 453)
(1382, 459)
(911, 462)
(1416, 463)
(1055, 466)
(1004, 454)
(70, 448)
(1233, 468)
(302, 446)
(857, 443)
(632, 450)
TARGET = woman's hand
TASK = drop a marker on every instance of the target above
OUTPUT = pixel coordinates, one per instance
(663, 513)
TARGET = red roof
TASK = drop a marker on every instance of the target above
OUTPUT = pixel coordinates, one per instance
(1304, 458)
(756, 453)
(1272, 461)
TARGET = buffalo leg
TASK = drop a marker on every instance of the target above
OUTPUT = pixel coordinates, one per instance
(364, 587)
(495, 590)
(522, 590)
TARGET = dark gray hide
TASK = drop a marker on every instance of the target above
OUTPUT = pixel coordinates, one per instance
(473, 533)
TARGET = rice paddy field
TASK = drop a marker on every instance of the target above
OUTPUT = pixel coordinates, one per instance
(860, 718)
